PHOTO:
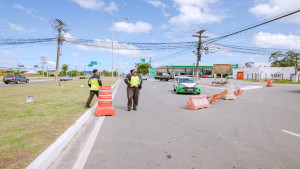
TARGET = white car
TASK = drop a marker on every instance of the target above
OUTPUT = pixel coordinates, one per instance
(144, 77)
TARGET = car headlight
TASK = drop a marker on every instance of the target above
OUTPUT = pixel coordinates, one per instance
(182, 86)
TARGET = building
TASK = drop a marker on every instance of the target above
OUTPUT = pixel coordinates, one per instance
(259, 71)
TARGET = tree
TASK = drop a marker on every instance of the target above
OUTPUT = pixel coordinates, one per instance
(64, 68)
(286, 59)
(115, 73)
(143, 68)
(40, 72)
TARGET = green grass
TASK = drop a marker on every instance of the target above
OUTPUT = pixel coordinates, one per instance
(285, 82)
(27, 129)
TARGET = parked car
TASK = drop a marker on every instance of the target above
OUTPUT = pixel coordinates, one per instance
(66, 78)
(144, 77)
(15, 78)
(186, 85)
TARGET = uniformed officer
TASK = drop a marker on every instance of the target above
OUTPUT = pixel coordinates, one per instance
(134, 82)
(94, 83)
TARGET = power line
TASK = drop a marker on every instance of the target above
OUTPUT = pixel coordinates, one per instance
(251, 27)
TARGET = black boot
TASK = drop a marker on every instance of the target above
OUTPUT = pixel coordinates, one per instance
(129, 109)
(134, 109)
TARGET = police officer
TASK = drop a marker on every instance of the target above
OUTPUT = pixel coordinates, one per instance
(134, 84)
(94, 83)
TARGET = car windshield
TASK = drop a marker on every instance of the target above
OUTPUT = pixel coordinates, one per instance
(7, 76)
(187, 80)
(64, 76)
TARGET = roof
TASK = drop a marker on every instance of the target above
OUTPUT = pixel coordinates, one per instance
(184, 66)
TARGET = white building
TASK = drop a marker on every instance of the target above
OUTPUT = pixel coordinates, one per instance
(259, 71)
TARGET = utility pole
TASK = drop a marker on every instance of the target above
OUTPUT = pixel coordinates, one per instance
(199, 51)
(296, 68)
(112, 47)
(59, 26)
(43, 61)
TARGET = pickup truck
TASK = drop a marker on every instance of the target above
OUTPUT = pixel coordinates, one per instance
(163, 76)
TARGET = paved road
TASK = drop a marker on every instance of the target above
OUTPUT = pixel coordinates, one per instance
(254, 131)
(30, 82)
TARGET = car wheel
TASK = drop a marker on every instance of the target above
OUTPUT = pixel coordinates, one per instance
(6, 82)
(174, 89)
(18, 82)
(27, 81)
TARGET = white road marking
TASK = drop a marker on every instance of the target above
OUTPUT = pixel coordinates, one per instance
(83, 156)
(250, 87)
(154, 86)
(295, 134)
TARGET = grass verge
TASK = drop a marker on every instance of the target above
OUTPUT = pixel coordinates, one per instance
(27, 129)
(285, 82)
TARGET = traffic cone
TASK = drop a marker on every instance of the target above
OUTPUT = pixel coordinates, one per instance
(104, 107)
(270, 83)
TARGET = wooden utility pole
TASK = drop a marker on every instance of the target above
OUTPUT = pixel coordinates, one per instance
(199, 51)
(59, 26)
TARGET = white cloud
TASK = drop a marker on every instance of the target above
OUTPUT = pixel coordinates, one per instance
(17, 27)
(90, 4)
(18, 6)
(8, 54)
(111, 8)
(97, 5)
(159, 4)
(270, 8)
(277, 40)
(29, 11)
(124, 49)
(139, 27)
(195, 12)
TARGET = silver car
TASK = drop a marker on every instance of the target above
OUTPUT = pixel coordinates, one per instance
(66, 78)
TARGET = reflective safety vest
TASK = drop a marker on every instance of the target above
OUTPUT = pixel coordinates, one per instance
(94, 84)
(135, 80)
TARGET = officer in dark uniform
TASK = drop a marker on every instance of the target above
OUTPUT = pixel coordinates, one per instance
(134, 82)
(94, 83)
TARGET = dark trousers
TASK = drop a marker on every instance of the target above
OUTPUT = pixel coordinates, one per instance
(92, 94)
(133, 93)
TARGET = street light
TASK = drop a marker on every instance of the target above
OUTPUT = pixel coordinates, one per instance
(112, 47)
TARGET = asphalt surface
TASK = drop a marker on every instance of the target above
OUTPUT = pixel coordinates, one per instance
(249, 132)
(2, 84)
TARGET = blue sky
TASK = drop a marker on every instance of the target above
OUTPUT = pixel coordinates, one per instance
(149, 21)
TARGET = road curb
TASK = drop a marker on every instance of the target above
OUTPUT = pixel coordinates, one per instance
(44, 160)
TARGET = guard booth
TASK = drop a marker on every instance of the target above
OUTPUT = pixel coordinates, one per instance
(240, 75)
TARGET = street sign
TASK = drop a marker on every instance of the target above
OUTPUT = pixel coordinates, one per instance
(143, 59)
(151, 72)
(222, 69)
(93, 62)
(235, 66)
(21, 65)
(90, 65)
(88, 72)
(36, 65)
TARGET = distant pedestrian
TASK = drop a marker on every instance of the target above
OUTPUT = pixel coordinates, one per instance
(134, 84)
(94, 83)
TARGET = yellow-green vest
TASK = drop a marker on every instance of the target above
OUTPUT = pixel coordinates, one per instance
(94, 84)
(135, 80)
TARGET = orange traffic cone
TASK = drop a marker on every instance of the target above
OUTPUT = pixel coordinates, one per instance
(270, 83)
(104, 107)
